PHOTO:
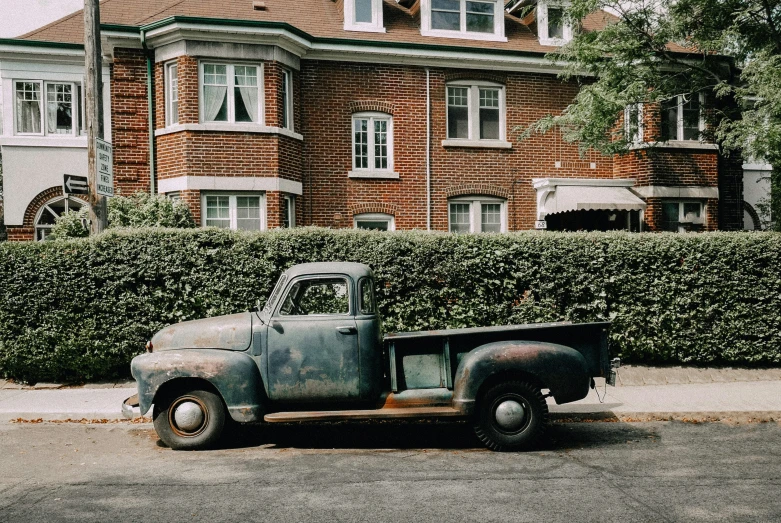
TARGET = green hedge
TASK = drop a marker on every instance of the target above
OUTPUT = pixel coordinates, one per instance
(81, 309)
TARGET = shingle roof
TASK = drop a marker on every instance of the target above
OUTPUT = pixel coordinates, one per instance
(318, 18)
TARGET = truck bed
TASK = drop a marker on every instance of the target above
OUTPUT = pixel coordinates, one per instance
(429, 359)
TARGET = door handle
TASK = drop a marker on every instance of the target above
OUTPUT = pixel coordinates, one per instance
(346, 330)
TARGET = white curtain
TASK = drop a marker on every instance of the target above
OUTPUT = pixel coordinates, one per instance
(51, 117)
(249, 95)
(28, 115)
(213, 96)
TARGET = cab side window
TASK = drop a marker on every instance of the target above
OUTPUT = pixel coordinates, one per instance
(317, 297)
(366, 293)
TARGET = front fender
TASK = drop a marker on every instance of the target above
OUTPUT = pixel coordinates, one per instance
(233, 374)
(561, 369)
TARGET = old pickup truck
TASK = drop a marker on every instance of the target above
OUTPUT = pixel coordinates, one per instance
(315, 352)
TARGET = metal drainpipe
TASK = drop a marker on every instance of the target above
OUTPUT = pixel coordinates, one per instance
(150, 102)
(428, 150)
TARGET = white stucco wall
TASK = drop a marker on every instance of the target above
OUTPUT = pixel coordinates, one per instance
(756, 187)
(27, 171)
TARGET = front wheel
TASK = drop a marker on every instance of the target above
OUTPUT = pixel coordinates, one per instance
(191, 420)
(511, 416)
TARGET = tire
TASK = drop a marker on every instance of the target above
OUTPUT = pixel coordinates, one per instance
(511, 430)
(190, 420)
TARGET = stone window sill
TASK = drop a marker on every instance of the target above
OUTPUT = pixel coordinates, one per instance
(486, 144)
(374, 175)
(228, 127)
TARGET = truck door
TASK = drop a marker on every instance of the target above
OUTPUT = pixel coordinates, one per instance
(313, 342)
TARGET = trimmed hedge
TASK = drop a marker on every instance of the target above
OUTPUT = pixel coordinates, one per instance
(81, 309)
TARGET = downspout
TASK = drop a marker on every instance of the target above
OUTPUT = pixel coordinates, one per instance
(428, 149)
(150, 103)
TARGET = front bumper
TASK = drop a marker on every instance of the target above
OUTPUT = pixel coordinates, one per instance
(127, 406)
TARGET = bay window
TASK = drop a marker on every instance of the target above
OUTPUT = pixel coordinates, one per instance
(679, 216)
(286, 119)
(633, 123)
(682, 118)
(474, 19)
(172, 94)
(243, 212)
(61, 114)
(477, 214)
(475, 111)
(552, 26)
(230, 93)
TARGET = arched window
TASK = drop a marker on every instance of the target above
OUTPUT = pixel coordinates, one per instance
(51, 210)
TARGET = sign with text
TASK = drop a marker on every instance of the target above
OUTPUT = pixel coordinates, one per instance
(75, 184)
(105, 161)
(540, 224)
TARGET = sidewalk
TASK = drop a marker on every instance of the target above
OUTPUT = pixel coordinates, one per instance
(643, 393)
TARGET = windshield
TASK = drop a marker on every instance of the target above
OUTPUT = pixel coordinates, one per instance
(275, 293)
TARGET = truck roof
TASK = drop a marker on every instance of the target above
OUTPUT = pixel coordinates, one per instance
(355, 270)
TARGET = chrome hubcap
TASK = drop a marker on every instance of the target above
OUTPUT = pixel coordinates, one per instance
(510, 415)
(188, 416)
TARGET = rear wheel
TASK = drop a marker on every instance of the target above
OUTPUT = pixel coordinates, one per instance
(511, 416)
(190, 420)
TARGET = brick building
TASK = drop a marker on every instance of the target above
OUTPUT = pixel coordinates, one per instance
(348, 113)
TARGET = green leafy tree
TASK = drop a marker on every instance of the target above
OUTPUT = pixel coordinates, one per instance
(72, 224)
(653, 50)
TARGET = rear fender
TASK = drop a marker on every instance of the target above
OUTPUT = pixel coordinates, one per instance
(233, 374)
(561, 369)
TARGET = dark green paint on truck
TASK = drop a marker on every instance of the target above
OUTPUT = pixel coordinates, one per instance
(315, 352)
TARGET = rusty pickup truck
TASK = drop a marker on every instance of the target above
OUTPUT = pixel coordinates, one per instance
(315, 353)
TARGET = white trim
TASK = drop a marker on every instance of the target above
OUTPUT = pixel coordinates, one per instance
(637, 138)
(476, 211)
(51, 140)
(539, 183)
(168, 94)
(230, 94)
(542, 24)
(662, 191)
(375, 217)
(488, 144)
(232, 208)
(682, 220)
(228, 183)
(679, 118)
(373, 174)
(371, 171)
(240, 127)
(287, 76)
(291, 209)
(376, 24)
(757, 167)
(496, 36)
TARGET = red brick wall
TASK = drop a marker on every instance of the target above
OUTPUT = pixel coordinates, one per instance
(130, 121)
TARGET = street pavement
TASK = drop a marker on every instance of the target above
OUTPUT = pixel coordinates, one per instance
(643, 393)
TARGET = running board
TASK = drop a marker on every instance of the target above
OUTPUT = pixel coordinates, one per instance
(340, 415)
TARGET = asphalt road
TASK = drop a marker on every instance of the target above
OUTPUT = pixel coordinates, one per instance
(662, 471)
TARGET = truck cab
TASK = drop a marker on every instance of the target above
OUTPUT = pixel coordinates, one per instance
(315, 352)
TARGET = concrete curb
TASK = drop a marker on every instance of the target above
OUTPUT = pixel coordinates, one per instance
(691, 417)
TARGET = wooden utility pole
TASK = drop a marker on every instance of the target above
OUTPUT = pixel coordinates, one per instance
(93, 62)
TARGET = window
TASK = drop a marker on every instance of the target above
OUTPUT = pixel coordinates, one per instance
(477, 214)
(62, 113)
(476, 19)
(230, 93)
(172, 94)
(680, 216)
(286, 120)
(375, 222)
(52, 210)
(366, 293)
(363, 15)
(633, 123)
(243, 212)
(552, 25)
(288, 211)
(475, 112)
(682, 118)
(316, 297)
(372, 142)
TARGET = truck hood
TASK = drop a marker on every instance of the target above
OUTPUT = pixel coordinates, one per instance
(232, 332)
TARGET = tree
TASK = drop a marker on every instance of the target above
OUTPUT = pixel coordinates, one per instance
(653, 50)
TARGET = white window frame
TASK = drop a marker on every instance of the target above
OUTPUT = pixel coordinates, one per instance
(171, 89)
(287, 77)
(45, 230)
(231, 74)
(496, 36)
(375, 217)
(542, 24)
(681, 99)
(638, 137)
(291, 209)
(232, 213)
(475, 211)
(702, 220)
(376, 24)
(369, 171)
(77, 112)
(473, 111)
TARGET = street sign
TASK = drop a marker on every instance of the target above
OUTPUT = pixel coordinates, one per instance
(105, 163)
(75, 184)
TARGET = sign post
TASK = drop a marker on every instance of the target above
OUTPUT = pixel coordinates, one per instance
(93, 77)
(105, 181)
